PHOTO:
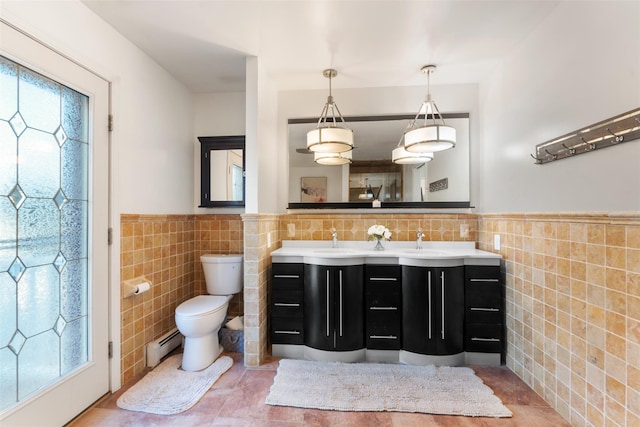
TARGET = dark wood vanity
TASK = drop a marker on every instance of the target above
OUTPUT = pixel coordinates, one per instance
(388, 312)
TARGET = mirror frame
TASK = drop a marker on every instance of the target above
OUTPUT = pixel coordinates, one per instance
(390, 205)
(207, 144)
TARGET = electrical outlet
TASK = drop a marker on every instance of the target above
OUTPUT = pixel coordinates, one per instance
(269, 239)
(496, 242)
(291, 230)
(464, 230)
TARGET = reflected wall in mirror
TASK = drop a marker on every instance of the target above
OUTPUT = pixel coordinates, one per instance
(222, 171)
(443, 182)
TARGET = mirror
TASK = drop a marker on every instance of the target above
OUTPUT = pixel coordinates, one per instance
(222, 174)
(442, 183)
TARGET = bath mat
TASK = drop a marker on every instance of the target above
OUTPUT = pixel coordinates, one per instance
(167, 389)
(383, 387)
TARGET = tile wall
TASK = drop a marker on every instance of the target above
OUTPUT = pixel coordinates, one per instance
(573, 310)
(166, 250)
(573, 290)
(436, 227)
(218, 234)
(261, 238)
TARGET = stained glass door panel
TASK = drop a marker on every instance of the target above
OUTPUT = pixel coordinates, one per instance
(47, 314)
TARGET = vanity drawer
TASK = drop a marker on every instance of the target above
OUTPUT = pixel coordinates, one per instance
(383, 332)
(287, 303)
(287, 276)
(287, 330)
(480, 337)
(389, 301)
(484, 303)
(482, 273)
(377, 341)
(383, 324)
(383, 321)
(382, 278)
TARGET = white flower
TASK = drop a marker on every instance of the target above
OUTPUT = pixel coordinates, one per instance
(378, 231)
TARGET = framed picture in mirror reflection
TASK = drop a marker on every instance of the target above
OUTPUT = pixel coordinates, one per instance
(313, 189)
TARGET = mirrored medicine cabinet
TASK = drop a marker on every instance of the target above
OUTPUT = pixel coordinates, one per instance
(222, 171)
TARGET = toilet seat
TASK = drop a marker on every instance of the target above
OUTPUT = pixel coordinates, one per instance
(201, 306)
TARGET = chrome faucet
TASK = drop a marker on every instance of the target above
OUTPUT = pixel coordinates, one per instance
(334, 238)
(419, 237)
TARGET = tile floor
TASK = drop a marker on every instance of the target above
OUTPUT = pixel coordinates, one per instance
(237, 399)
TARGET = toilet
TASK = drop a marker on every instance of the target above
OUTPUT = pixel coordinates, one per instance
(199, 319)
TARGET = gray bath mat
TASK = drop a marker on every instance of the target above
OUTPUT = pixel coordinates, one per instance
(383, 387)
(169, 390)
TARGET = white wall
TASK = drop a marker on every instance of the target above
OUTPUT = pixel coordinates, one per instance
(262, 141)
(152, 111)
(267, 144)
(580, 67)
(373, 101)
(215, 114)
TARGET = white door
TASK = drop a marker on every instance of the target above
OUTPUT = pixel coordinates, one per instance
(53, 234)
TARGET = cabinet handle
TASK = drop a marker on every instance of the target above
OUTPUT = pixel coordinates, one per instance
(287, 304)
(383, 337)
(340, 283)
(383, 279)
(327, 302)
(442, 285)
(287, 332)
(429, 300)
(383, 308)
(484, 280)
(485, 339)
(286, 276)
(484, 309)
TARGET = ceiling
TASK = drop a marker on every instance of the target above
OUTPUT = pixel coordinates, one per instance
(204, 43)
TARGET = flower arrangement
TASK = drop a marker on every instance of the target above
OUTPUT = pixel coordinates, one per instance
(379, 232)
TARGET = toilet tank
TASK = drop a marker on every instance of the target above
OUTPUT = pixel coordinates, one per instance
(222, 273)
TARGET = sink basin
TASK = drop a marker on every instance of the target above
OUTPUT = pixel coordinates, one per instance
(334, 256)
(425, 252)
(337, 251)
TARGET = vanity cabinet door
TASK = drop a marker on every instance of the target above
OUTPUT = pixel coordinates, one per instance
(287, 284)
(451, 301)
(333, 308)
(433, 310)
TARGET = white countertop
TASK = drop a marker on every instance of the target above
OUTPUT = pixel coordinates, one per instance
(432, 254)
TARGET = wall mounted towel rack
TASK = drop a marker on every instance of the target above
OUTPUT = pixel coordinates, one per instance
(622, 128)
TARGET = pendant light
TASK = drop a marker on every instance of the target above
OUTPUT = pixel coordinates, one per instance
(333, 159)
(329, 137)
(434, 135)
(401, 156)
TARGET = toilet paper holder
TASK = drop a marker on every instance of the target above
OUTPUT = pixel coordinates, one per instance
(136, 286)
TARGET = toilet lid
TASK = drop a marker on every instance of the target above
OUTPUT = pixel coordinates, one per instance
(200, 305)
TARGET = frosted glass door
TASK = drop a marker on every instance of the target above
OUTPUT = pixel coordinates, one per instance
(46, 308)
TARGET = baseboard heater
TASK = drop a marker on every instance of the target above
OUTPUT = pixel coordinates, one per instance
(159, 348)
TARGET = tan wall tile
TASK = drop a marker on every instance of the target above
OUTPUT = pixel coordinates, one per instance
(594, 293)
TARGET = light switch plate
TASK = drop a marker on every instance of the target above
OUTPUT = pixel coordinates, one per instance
(496, 242)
